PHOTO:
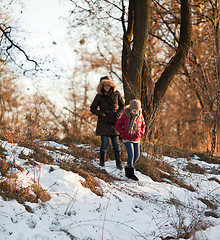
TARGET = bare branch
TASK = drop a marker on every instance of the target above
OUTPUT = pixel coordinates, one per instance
(6, 34)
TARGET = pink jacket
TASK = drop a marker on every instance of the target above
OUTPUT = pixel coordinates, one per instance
(122, 128)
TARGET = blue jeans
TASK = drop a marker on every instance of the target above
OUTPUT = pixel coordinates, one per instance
(133, 152)
(105, 142)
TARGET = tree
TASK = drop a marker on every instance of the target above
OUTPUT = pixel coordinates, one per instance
(190, 113)
(134, 62)
(135, 20)
(203, 68)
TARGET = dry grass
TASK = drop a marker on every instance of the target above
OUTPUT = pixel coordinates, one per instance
(209, 203)
(160, 149)
(10, 190)
(194, 168)
(4, 167)
(40, 193)
(160, 171)
(40, 155)
(214, 179)
(152, 167)
(186, 227)
(2, 152)
(211, 214)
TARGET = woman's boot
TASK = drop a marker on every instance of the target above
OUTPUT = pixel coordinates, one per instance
(102, 158)
(118, 159)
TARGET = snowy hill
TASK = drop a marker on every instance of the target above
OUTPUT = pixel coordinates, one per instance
(125, 210)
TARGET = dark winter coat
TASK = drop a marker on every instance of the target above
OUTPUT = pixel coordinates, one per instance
(108, 108)
(123, 128)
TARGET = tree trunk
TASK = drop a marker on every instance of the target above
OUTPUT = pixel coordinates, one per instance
(136, 77)
(180, 56)
(134, 47)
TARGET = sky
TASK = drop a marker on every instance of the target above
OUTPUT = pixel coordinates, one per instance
(127, 210)
(43, 35)
(45, 21)
(48, 40)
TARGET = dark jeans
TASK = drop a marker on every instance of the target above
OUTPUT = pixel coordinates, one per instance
(133, 152)
(105, 142)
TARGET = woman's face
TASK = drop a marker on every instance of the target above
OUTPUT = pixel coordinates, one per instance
(106, 88)
(134, 112)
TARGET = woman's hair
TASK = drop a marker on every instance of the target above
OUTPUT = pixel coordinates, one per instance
(110, 90)
(103, 82)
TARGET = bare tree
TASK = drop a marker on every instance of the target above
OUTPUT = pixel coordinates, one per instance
(8, 44)
(134, 61)
(203, 68)
(135, 20)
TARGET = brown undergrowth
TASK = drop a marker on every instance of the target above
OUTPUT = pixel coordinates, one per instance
(160, 171)
(159, 149)
(81, 164)
(153, 167)
(84, 155)
(10, 188)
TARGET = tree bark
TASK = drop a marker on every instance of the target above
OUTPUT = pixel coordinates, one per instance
(136, 78)
(184, 44)
(134, 47)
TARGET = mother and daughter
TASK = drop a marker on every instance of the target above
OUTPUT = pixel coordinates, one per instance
(115, 119)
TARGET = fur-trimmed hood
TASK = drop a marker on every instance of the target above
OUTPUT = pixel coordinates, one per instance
(106, 81)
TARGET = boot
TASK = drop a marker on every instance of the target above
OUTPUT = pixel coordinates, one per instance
(129, 173)
(118, 159)
(133, 177)
(102, 158)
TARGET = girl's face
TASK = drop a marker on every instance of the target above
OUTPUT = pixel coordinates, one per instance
(134, 112)
(106, 88)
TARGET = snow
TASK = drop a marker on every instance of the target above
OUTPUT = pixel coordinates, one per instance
(127, 210)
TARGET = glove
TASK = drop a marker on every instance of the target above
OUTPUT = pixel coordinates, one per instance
(116, 115)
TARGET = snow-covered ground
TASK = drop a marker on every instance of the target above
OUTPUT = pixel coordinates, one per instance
(127, 210)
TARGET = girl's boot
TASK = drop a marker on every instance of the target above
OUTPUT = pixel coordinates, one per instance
(129, 173)
(133, 177)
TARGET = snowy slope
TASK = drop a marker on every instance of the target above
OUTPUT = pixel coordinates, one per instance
(128, 209)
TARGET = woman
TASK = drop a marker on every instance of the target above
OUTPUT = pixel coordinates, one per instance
(131, 126)
(108, 105)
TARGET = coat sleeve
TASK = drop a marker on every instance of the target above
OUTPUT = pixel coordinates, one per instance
(120, 106)
(143, 125)
(121, 103)
(94, 107)
(120, 125)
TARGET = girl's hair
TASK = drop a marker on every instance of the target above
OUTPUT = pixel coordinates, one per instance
(135, 104)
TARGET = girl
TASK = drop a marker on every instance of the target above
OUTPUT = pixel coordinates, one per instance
(131, 126)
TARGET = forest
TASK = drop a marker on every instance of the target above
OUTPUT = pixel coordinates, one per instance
(166, 53)
(170, 61)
